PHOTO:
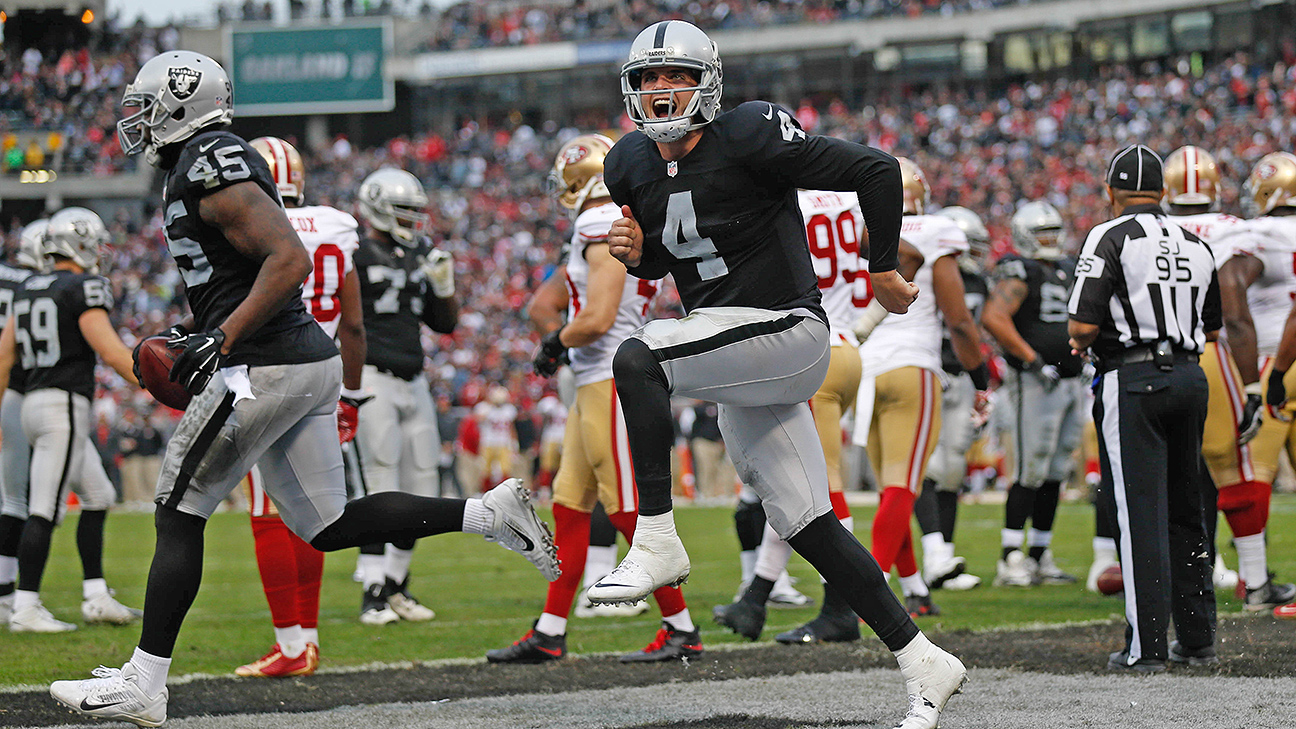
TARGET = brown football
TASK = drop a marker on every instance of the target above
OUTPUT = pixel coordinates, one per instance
(155, 360)
(1110, 581)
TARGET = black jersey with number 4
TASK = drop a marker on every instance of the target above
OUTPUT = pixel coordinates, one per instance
(1042, 318)
(394, 295)
(11, 278)
(724, 221)
(47, 310)
(217, 277)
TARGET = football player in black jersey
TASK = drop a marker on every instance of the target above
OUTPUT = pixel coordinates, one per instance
(711, 199)
(936, 508)
(265, 380)
(1027, 315)
(404, 282)
(57, 323)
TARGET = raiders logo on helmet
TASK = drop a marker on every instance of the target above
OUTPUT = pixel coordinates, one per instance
(183, 81)
(81, 228)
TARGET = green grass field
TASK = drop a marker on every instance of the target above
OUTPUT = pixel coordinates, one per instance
(486, 597)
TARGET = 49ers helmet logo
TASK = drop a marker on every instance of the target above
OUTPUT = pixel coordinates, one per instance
(574, 154)
(183, 81)
(1265, 171)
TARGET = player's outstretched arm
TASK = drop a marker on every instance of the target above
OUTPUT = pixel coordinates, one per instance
(257, 228)
(351, 331)
(99, 333)
(1235, 276)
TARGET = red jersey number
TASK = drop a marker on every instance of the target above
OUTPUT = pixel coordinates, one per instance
(325, 281)
(826, 238)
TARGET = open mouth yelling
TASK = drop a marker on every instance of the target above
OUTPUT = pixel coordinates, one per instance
(662, 108)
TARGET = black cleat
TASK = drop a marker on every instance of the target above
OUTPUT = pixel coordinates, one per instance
(823, 629)
(742, 617)
(1119, 661)
(669, 645)
(921, 606)
(534, 647)
(1204, 656)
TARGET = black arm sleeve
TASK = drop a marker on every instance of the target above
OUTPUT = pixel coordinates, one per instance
(1212, 311)
(827, 163)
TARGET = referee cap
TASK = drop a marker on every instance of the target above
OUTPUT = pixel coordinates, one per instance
(1136, 168)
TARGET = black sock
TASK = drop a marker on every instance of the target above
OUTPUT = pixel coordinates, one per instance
(758, 591)
(749, 522)
(173, 579)
(1017, 510)
(10, 535)
(849, 567)
(602, 533)
(1046, 505)
(835, 605)
(948, 502)
(645, 397)
(390, 516)
(925, 508)
(377, 548)
(33, 552)
(89, 538)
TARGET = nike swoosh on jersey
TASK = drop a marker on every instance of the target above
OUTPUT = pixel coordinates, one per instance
(769, 114)
(530, 545)
(207, 146)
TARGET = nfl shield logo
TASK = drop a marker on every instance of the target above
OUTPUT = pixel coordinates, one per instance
(672, 169)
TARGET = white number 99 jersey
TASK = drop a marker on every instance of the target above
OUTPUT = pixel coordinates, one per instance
(593, 362)
(834, 226)
(330, 238)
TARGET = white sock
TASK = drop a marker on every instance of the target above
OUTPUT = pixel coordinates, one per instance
(24, 599)
(748, 561)
(660, 526)
(914, 585)
(912, 655)
(551, 624)
(1104, 547)
(599, 561)
(8, 570)
(152, 671)
(477, 519)
(311, 635)
(933, 547)
(680, 621)
(772, 556)
(1036, 538)
(371, 568)
(291, 641)
(93, 588)
(396, 563)
(1253, 565)
(1012, 538)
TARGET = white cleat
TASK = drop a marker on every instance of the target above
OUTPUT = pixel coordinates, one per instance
(587, 609)
(965, 581)
(1225, 579)
(1017, 570)
(6, 608)
(36, 619)
(784, 595)
(940, 676)
(653, 561)
(517, 527)
(114, 693)
(104, 608)
(939, 573)
(410, 609)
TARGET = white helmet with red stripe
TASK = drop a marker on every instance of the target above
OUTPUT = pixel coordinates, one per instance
(285, 165)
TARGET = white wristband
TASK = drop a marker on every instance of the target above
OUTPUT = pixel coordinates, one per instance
(1255, 388)
(353, 394)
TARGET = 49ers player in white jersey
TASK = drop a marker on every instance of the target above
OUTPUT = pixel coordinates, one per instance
(604, 306)
(898, 413)
(1192, 183)
(290, 568)
(1257, 287)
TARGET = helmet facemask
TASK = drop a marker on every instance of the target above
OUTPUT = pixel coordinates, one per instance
(673, 44)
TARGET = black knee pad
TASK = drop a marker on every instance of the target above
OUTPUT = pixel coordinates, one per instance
(749, 522)
(634, 362)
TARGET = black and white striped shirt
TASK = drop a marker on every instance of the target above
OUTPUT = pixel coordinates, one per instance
(1141, 279)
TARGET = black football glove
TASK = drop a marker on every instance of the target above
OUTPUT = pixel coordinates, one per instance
(200, 360)
(1276, 396)
(1249, 423)
(550, 356)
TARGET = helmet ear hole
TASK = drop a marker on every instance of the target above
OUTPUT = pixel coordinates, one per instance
(178, 114)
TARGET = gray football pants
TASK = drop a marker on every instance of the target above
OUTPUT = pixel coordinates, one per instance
(398, 440)
(289, 431)
(1045, 425)
(948, 463)
(56, 424)
(761, 367)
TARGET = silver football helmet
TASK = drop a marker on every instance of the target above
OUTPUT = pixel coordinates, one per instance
(977, 235)
(77, 234)
(1038, 232)
(173, 96)
(31, 247)
(393, 201)
(673, 43)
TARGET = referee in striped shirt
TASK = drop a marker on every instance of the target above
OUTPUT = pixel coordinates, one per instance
(1145, 303)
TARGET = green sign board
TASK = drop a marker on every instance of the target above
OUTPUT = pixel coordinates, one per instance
(327, 69)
